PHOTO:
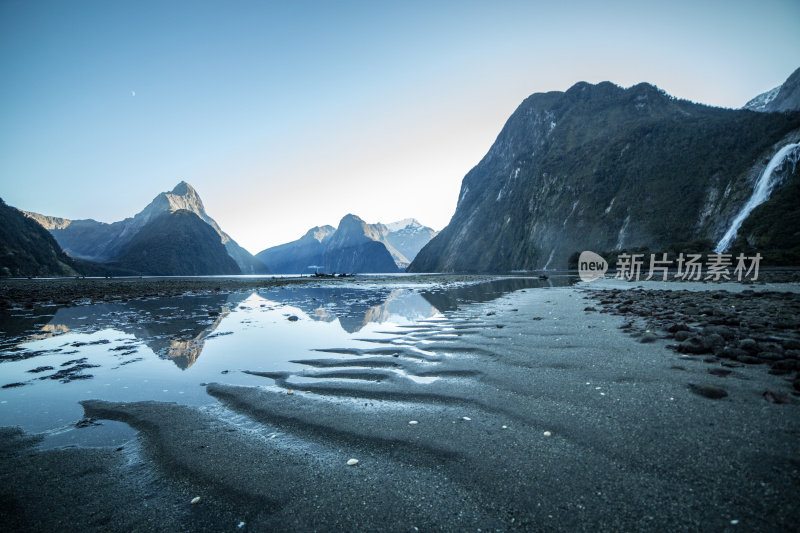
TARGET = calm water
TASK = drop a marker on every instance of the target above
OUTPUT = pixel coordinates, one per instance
(166, 349)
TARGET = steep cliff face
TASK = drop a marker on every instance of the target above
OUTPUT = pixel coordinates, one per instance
(27, 249)
(601, 167)
(355, 247)
(303, 256)
(176, 243)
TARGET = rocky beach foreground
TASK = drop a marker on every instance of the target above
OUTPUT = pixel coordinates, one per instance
(600, 406)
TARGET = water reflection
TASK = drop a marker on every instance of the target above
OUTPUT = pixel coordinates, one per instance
(355, 308)
(177, 328)
(448, 298)
(164, 348)
(173, 328)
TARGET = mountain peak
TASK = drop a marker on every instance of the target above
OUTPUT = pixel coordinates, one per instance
(183, 189)
(400, 224)
(784, 97)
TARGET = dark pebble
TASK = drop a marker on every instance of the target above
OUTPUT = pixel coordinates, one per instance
(695, 345)
(776, 397)
(708, 391)
(770, 356)
(293, 318)
(40, 369)
(719, 371)
(748, 345)
(682, 335)
(648, 338)
(750, 360)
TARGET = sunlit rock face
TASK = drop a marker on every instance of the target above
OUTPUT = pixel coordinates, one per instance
(785, 97)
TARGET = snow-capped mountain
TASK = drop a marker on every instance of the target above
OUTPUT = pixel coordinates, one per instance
(327, 249)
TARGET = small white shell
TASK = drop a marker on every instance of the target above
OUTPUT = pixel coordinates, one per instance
(466, 418)
(413, 422)
(195, 499)
(290, 392)
(352, 462)
(504, 427)
(547, 433)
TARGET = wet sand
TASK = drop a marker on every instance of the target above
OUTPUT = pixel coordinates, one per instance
(531, 413)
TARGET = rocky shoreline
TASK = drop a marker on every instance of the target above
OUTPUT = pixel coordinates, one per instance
(718, 326)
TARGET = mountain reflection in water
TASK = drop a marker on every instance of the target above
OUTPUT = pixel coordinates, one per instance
(177, 328)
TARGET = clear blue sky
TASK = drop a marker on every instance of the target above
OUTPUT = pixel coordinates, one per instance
(286, 115)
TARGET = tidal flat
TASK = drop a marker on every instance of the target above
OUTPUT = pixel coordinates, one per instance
(421, 403)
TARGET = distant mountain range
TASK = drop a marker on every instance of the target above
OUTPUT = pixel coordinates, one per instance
(162, 239)
(603, 168)
(354, 247)
(597, 167)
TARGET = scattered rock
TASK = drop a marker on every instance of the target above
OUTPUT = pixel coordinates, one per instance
(694, 345)
(40, 369)
(719, 371)
(776, 397)
(708, 391)
(748, 345)
(195, 500)
(293, 318)
(87, 422)
(648, 338)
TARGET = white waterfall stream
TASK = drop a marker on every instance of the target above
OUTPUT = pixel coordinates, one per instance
(763, 188)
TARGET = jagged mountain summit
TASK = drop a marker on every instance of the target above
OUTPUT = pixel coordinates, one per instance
(600, 167)
(328, 249)
(355, 246)
(98, 241)
(785, 97)
(408, 237)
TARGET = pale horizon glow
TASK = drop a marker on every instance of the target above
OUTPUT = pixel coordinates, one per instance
(286, 116)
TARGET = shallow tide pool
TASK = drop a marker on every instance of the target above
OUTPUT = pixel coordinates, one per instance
(167, 349)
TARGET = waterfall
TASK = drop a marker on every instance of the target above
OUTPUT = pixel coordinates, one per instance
(763, 188)
(549, 259)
